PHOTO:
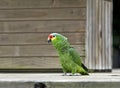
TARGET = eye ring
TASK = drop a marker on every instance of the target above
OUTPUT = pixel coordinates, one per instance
(53, 35)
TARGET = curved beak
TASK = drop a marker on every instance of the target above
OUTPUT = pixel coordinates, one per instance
(49, 40)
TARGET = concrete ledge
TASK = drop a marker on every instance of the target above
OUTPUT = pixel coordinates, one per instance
(61, 85)
(57, 77)
(56, 80)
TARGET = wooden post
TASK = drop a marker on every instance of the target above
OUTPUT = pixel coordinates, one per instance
(99, 35)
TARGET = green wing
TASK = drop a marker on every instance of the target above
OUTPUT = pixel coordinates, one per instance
(74, 56)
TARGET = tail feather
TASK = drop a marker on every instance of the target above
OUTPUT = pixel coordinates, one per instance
(84, 73)
(84, 67)
(83, 70)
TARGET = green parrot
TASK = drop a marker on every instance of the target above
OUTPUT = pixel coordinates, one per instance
(69, 57)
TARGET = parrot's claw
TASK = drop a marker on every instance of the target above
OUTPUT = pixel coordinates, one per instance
(67, 74)
(70, 74)
(64, 74)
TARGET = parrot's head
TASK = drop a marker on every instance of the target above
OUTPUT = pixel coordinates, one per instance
(58, 41)
(56, 37)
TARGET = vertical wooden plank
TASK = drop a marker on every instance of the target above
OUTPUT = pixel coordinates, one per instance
(92, 20)
(99, 35)
(89, 35)
(103, 35)
(108, 33)
(93, 33)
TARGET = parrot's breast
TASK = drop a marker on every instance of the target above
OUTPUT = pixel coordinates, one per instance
(66, 62)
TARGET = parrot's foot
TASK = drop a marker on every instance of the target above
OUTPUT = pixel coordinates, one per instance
(70, 74)
(67, 74)
(64, 74)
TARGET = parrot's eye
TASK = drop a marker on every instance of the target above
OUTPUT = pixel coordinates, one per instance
(53, 35)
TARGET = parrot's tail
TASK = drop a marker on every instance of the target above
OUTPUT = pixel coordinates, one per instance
(83, 70)
(84, 67)
(84, 73)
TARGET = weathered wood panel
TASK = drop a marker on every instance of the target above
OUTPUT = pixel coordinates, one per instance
(42, 26)
(30, 63)
(43, 14)
(108, 35)
(11, 4)
(70, 3)
(37, 38)
(30, 50)
(2, 27)
(99, 35)
(24, 28)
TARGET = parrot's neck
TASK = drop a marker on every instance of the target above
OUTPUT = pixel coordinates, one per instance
(62, 46)
(63, 49)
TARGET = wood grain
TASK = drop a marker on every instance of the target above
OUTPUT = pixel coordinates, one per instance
(10, 4)
(99, 39)
(26, 24)
(30, 63)
(30, 50)
(43, 26)
(37, 38)
(70, 3)
(2, 27)
(43, 14)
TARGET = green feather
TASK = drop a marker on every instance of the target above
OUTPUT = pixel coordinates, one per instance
(69, 57)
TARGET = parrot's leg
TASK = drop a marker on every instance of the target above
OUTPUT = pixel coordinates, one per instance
(67, 74)
(70, 74)
(74, 70)
(64, 71)
(64, 74)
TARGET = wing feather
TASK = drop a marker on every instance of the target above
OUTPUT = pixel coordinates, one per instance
(74, 56)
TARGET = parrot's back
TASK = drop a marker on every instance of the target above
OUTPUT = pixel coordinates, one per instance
(71, 62)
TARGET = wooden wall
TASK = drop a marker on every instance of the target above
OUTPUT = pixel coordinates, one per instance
(25, 25)
(99, 35)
